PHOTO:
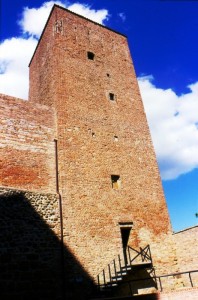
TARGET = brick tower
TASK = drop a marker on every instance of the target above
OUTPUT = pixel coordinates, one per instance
(108, 182)
(108, 176)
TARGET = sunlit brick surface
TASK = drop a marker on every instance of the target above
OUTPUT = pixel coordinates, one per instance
(84, 94)
(100, 135)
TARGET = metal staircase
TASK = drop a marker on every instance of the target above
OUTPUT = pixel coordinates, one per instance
(117, 270)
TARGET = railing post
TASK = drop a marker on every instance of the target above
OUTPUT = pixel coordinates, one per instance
(109, 272)
(142, 255)
(129, 255)
(190, 279)
(104, 276)
(150, 254)
(120, 263)
(160, 284)
(115, 272)
(98, 279)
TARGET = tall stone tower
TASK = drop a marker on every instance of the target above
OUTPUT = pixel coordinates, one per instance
(107, 178)
(108, 175)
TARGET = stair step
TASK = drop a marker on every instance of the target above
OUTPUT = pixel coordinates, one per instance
(116, 278)
(121, 273)
(108, 285)
(127, 268)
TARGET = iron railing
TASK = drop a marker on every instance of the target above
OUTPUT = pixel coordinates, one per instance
(175, 275)
(158, 281)
(144, 254)
(121, 264)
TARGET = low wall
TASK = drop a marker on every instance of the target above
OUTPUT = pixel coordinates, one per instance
(34, 263)
(187, 248)
(186, 294)
(30, 262)
(27, 150)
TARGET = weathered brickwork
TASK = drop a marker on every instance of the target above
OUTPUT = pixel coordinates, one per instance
(27, 133)
(99, 137)
(187, 248)
(187, 253)
(83, 94)
(185, 294)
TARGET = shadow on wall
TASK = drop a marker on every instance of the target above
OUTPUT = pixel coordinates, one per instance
(136, 284)
(31, 264)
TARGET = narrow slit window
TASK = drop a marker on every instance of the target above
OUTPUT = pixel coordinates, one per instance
(115, 138)
(111, 97)
(90, 55)
(116, 182)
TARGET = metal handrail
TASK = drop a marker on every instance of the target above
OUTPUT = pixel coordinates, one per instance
(145, 254)
(159, 278)
(176, 274)
(109, 275)
(112, 269)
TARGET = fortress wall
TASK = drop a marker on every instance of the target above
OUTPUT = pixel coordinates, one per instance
(27, 158)
(187, 248)
(30, 245)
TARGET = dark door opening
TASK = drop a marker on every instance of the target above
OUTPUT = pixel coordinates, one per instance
(125, 232)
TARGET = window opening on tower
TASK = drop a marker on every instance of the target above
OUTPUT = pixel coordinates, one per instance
(90, 55)
(111, 96)
(116, 182)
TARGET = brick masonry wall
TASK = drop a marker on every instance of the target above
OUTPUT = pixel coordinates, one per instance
(186, 294)
(187, 253)
(97, 138)
(30, 245)
(27, 156)
(187, 248)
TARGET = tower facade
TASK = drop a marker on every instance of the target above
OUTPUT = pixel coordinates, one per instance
(105, 174)
(108, 174)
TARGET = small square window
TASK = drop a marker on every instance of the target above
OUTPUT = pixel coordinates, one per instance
(111, 97)
(116, 182)
(90, 55)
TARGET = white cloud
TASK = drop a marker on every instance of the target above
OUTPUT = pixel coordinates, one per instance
(15, 55)
(173, 123)
(122, 16)
(99, 16)
(34, 19)
(14, 64)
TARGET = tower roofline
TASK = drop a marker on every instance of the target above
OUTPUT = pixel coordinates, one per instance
(71, 12)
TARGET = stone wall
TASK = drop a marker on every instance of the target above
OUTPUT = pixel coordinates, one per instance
(185, 294)
(187, 248)
(30, 245)
(187, 253)
(27, 155)
(34, 263)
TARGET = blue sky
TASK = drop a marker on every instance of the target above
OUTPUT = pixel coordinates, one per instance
(162, 37)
